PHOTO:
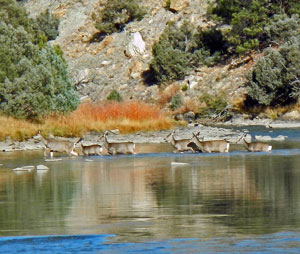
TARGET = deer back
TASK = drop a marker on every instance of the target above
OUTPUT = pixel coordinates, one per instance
(126, 147)
(210, 146)
(91, 149)
(57, 145)
(257, 146)
(179, 144)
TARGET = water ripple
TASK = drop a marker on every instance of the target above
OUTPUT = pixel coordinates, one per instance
(285, 242)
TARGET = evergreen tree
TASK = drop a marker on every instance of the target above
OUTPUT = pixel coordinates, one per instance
(180, 49)
(247, 20)
(116, 14)
(33, 77)
(275, 78)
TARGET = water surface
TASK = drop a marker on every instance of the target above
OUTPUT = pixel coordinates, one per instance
(152, 202)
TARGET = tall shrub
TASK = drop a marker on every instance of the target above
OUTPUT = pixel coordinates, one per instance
(179, 49)
(33, 77)
(47, 23)
(275, 79)
(246, 19)
(116, 14)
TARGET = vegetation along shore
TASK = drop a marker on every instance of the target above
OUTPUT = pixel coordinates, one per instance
(78, 68)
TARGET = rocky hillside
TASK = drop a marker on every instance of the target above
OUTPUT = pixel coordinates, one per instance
(119, 61)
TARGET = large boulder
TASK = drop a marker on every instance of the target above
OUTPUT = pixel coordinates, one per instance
(136, 45)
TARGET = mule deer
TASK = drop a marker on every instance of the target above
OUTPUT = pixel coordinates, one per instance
(210, 146)
(180, 145)
(94, 149)
(113, 148)
(255, 146)
(57, 145)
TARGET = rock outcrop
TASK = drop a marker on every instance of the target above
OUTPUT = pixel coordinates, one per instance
(120, 59)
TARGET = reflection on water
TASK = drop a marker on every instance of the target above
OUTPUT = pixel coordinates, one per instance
(274, 243)
(145, 198)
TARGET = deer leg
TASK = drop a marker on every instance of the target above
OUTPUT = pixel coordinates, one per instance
(46, 151)
(191, 149)
(74, 153)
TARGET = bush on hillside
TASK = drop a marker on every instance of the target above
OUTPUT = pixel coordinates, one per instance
(248, 18)
(15, 15)
(282, 28)
(114, 95)
(116, 14)
(33, 77)
(176, 102)
(180, 49)
(275, 78)
(47, 23)
(216, 105)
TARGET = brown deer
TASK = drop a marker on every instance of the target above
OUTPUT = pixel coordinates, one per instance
(255, 146)
(210, 146)
(57, 145)
(180, 145)
(94, 149)
(113, 148)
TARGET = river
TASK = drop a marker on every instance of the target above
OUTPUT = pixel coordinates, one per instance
(155, 201)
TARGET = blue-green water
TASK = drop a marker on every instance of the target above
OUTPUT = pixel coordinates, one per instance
(238, 202)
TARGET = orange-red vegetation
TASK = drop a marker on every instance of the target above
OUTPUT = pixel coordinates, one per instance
(130, 116)
(131, 110)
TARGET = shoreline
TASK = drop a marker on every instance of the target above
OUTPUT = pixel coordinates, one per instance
(221, 130)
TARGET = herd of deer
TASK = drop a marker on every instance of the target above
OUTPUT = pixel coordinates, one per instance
(194, 144)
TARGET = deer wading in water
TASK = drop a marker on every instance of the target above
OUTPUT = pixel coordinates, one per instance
(126, 147)
(57, 145)
(94, 149)
(210, 146)
(180, 145)
(255, 146)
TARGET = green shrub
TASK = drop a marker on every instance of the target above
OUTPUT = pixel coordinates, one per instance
(216, 105)
(167, 4)
(283, 27)
(176, 102)
(274, 80)
(184, 87)
(15, 15)
(248, 18)
(33, 78)
(180, 49)
(48, 24)
(114, 96)
(116, 14)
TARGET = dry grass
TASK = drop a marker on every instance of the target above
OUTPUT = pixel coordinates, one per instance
(190, 104)
(262, 111)
(128, 117)
(16, 129)
(168, 94)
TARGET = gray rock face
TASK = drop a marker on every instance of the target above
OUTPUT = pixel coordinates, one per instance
(118, 61)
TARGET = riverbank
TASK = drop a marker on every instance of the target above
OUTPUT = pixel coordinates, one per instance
(226, 130)
(268, 123)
